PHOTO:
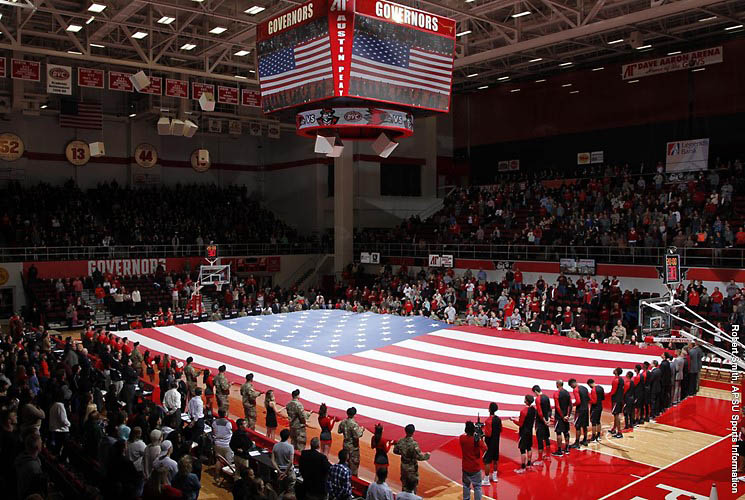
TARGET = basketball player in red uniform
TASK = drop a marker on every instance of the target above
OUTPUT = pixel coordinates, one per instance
(526, 422)
(616, 393)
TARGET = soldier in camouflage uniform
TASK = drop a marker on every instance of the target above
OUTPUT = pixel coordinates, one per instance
(573, 334)
(298, 419)
(191, 374)
(613, 339)
(411, 455)
(137, 359)
(249, 395)
(352, 433)
(222, 390)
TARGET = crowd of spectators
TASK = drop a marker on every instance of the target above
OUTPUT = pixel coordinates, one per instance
(615, 208)
(109, 215)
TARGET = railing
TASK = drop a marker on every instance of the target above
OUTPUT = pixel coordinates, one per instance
(15, 254)
(695, 256)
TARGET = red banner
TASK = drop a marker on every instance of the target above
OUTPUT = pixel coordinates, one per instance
(341, 29)
(177, 88)
(251, 98)
(227, 95)
(155, 87)
(88, 77)
(197, 89)
(294, 17)
(407, 16)
(120, 81)
(2, 67)
(25, 70)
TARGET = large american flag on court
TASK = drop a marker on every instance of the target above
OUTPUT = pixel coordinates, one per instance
(292, 67)
(392, 62)
(394, 370)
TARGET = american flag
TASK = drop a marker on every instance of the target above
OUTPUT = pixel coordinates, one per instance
(395, 370)
(87, 115)
(392, 62)
(292, 67)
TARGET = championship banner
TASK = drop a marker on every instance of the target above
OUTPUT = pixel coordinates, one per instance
(155, 87)
(120, 81)
(3, 72)
(59, 79)
(177, 88)
(227, 95)
(25, 70)
(250, 98)
(676, 62)
(686, 156)
(197, 89)
(88, 77)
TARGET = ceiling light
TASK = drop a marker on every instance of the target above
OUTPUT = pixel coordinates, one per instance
(463, 33)
(74, 28)
(75, 52)
(218, 30)
(96, 7)
(96, 45)
(521, 14)
(44, 106)
(642, 47)
(536, 59)
(574, 92)
(565, 64)
(242, 53)
(541, 80)
(698, 69)
(166, 20)
(703, 20)
(139, 35)
(188, 46)
(729, 28)
(567, 85)
(483, 87)
(613, 42)
(251, 71)
(241, 77)
(90, 19)
(633, 81)
(472, 75)
(515, 90)
(254, 10)
(132, 115)
(673, 53)
(601, 68)
(503, 78)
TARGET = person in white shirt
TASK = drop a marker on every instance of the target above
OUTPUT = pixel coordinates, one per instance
(136, 300)
(136, 448)
(379, 490)
(165, 460)
(59, 425)
(195, 408)
(152, 452)
(172, 400)
(222, 431)
(450, 313)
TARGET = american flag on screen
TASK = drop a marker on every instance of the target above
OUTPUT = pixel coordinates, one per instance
(86, 115)
(395, 63)
(292, 67)
(394, 370)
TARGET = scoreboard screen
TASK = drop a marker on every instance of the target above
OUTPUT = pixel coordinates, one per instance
(672, 269)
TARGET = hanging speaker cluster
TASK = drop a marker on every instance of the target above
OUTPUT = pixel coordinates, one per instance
(167, 126)
(329, 144)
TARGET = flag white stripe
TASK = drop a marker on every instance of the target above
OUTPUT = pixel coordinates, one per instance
(431, 63)
(397, 82)
(369, 62)
(298, 84)
(282, 76)
(312, 44)
(291, 79)
(432, 55)
(444, 72)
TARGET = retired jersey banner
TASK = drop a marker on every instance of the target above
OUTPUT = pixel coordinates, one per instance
(685, 156)
(687, 60)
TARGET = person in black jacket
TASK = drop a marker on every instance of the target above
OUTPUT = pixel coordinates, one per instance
(656, 388)
(562, 410)
(639, 381)
(597, 396)
(666, 381)
(241, 443)
(492, 433)
(647, 391)
(582, 413)
(629, 395)
(542, 419)
(314, 469)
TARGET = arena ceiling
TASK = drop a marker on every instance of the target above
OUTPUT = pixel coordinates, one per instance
(498, 38)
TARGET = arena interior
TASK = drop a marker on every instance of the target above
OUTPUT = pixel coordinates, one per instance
(342, 249)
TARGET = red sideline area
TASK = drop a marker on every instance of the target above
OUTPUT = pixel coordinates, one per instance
(689, 478)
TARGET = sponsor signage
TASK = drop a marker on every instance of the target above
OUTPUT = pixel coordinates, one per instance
(583, 158)
(294, 16)
(434, 261)
(59, 79)
(597, 157)
(25, 70)
(677, 62)
(407, 16)
(508, 165)
(447, 260)
(685, 156)
(88, 77)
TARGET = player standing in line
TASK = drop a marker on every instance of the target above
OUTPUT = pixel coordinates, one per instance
(597, 396)
(562, 412)
(492, 433)
(638, 395)
(616, 395)
(543, 417)
(628, 400)
(525, 443)
(582, 413)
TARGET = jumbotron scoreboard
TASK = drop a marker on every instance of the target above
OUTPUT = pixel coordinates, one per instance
(356, 53)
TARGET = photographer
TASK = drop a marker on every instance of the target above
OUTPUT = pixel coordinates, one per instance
(472, 448)
(492, 432)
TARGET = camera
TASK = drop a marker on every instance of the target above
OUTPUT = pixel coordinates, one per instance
(479, 432)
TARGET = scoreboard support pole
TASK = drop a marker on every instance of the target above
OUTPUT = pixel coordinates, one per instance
(344, 209)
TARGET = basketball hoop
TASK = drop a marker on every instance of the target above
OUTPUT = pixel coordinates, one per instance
(218, 286)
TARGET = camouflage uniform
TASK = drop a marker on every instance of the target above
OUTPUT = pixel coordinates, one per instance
(352, 433)
(191, 379)
(249, 395)
(222, 391)
(410, 453)
(297, 415)
(137, 360)
(574, 334)
(614, 340)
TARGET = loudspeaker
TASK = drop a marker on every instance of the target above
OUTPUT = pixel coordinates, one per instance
(177, 127)
(140, 80)
(203, 156)
(635, 39)
(190, 128)
(97, 149)
(384, 145)
(337, 149)
(164, 125)
(207, 101)
(324, 143)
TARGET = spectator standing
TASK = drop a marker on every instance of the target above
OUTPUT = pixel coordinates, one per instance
(222, 432)
(379, 490)
(283, 455)
(314, 469)
(339, 483)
